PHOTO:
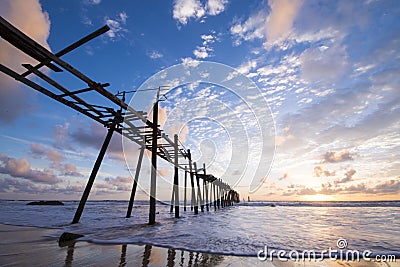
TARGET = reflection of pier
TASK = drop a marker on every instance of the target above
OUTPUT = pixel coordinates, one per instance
(147, 255)
(97, 103)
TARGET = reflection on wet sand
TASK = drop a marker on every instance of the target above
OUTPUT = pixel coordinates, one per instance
(70, 255)
(147, 255)
(122, 262)
(154, 255)
(179, 257)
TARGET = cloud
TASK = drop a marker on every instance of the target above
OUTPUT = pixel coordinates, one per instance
(204, 50)
(93, 2)
(247, 66)
(29, 17)
(94, 134)
(55, 156)
(116, 25)
(334, 157)
(280, 19)
(61, 133)
(39, 150)
(319, 172)
(118, 183)
(215, 7)
(386, 187)
(283, 177)
(324, 63)
(123, 16)
(155, 54)
(20, 168)
(201, 52)
(389, 187)
(69, 169)
(190, 62)
(184, 10)
(250, 29)
(348, 177)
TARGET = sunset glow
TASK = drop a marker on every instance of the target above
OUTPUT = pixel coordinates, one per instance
(323, 80)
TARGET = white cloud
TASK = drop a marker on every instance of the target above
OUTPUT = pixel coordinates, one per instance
(116, 25)
(201, 52)
(246, 67)
(204, 50)
(215, 7)
(184, 10)
(123, 17)
(250, 29)
(155, 54)
(93, 2)
(190, 62)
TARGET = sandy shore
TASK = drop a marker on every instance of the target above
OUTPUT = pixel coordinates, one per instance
(28, 246)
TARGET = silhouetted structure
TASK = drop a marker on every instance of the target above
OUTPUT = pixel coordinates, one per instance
(125, 120)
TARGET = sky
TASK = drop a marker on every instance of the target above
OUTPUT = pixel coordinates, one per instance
(299, 98)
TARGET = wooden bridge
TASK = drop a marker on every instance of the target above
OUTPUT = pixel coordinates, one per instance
(118, 116)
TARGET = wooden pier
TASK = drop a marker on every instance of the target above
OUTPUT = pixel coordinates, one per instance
(118, 116)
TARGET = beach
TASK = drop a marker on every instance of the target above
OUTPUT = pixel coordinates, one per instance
(230, 236)
(29, 246)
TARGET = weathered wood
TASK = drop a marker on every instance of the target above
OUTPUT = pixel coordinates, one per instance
(205, 186)
(153, 177)
(93, 175)
(184, 192)
(73, 46)
(135, 182)
(193, 203)
(176, 177)
(147, 136)
(199, 197)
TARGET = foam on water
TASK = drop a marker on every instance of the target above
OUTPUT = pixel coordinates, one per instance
(239, 230)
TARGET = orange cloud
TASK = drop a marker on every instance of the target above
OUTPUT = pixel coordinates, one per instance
(29, 17)
(280, 20)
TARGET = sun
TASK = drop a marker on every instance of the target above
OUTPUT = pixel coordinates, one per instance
(318, 197)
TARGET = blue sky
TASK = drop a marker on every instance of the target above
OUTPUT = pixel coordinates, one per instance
(327, 74)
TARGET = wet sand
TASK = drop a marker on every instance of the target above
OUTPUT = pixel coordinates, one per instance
(29, 246)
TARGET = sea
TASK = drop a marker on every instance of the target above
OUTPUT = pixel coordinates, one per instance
(244, 229)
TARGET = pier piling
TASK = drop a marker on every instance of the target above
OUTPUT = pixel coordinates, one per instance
(135, 181)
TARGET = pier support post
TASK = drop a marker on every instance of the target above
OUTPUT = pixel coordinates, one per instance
(199, 197)
(205, 186)
(218, 193)
(94, 172)
(184, 193)
(194, 201)
(135, 181)
(153, 177)
(176, 177)
(215, 196)
(171, 209)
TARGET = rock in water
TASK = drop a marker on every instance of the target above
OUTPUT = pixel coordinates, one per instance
(46, 202)
(68, 238)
